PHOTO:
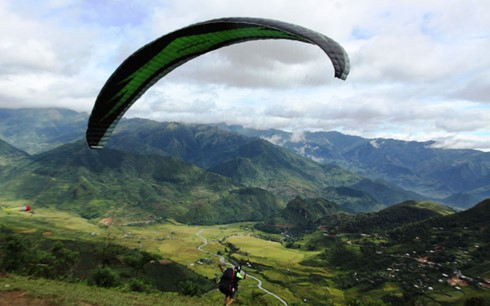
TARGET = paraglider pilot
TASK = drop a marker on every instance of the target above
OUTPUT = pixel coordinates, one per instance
(228, 284)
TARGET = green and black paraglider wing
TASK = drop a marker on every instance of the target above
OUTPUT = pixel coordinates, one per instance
(153, 61)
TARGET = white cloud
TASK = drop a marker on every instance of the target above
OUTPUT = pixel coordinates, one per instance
(419, 68)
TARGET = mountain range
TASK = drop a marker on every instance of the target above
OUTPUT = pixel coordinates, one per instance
(147, 161)
(456, 177)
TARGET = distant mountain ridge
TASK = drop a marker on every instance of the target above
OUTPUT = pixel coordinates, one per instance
(74, 174)
(456, 177)
(144, 167)
(35, 130)
(253, 162)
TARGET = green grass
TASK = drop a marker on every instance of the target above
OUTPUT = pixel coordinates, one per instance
(62, 293)
(441, 209)
(453, 296)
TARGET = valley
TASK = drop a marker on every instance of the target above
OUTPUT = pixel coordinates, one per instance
(319, 268)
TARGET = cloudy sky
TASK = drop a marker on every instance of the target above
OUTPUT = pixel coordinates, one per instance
(420, 69)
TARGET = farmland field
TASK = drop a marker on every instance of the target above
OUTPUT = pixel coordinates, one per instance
(295, 274)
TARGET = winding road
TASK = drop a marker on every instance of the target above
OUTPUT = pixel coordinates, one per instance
(223, 261)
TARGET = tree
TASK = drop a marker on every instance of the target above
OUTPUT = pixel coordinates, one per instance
(109, 251)
(23, 257)
(63, 259)
(16, 256)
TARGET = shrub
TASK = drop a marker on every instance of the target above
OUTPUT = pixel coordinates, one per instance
(23, 257)
(104, 277)
(138, 285)
(189, 287)
(475, 301)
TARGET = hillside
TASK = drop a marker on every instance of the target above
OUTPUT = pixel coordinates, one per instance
(433, 255)
(28, 291)
(260, 163)
(476, 217)
(202, 145)
(252, 162)
(248, 161)
(299, 215)
(11, 156)
(132, 186)
(59, 258)
(408, 212)
(465, 226)
(368, 194)
(154, 186)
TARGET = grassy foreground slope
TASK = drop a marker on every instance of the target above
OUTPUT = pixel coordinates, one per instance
(21, 290)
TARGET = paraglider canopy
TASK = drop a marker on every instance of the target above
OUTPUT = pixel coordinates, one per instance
(156, 59)
(21, 208)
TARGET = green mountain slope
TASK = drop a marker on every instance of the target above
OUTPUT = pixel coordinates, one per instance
(249, 161)
(421, 167)
(389, 218)
(262, 164)
(252, 162)
(199, 144)
(300, 215)
(476, 216)
(131, 186)
(11, 156)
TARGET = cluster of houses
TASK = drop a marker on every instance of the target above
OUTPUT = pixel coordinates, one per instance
(457, 280)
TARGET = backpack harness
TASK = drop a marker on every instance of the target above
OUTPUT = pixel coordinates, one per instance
(226, 280)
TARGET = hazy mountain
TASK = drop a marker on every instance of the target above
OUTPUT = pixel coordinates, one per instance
(248, 161)
(36, 130)
(468, 199)
(449, 175)
(456, 177)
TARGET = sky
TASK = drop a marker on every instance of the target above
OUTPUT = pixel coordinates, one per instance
(420, 69)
